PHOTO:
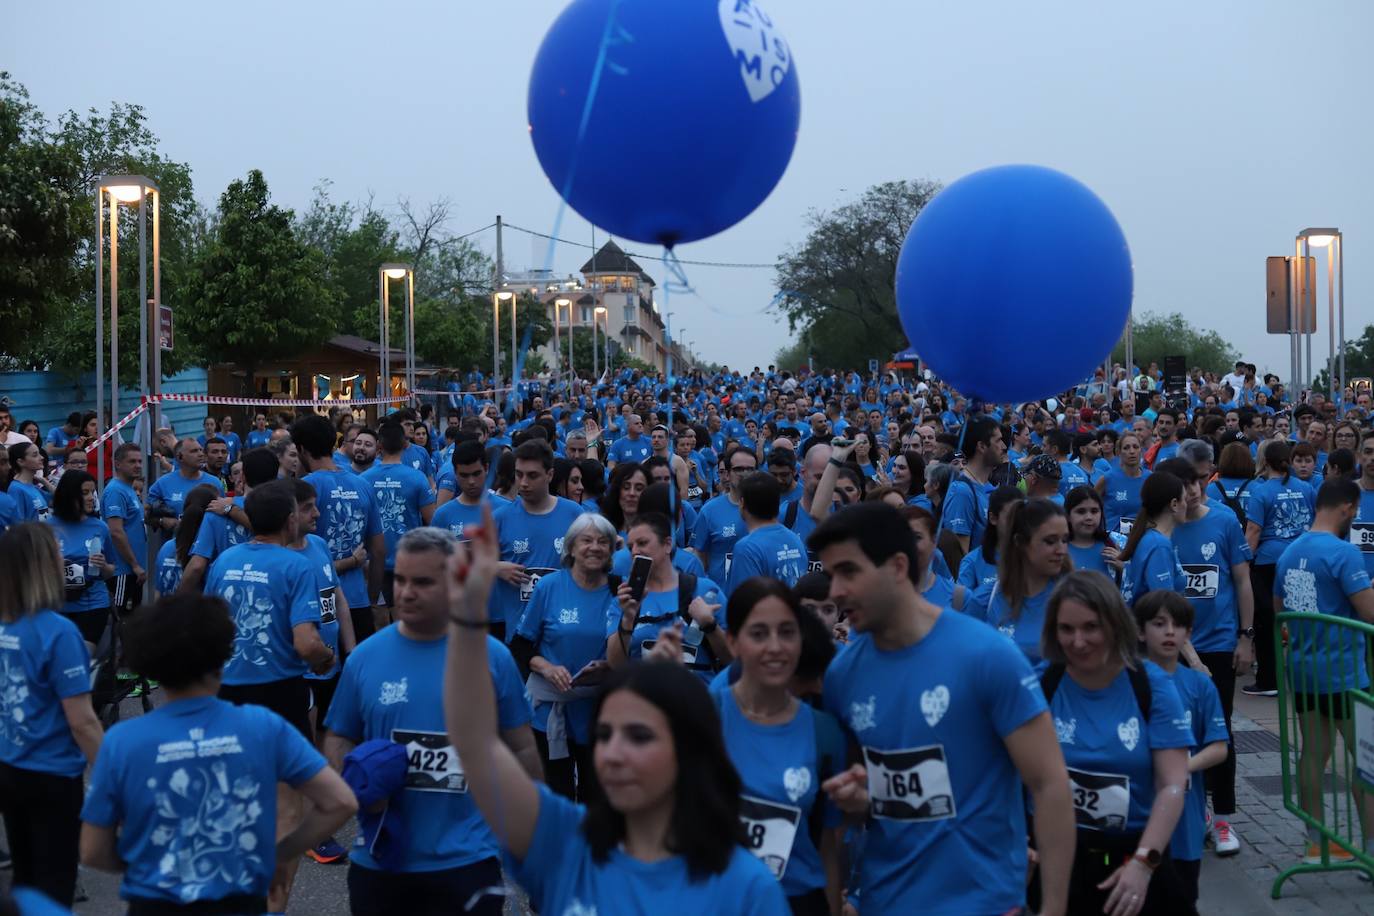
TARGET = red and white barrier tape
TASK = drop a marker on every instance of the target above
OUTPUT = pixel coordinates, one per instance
(109, 433)
(461, 393)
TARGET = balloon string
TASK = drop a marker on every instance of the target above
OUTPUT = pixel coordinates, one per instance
(613, 34)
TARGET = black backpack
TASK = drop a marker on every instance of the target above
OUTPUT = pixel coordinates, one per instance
(1233, 502)
(1140, 686)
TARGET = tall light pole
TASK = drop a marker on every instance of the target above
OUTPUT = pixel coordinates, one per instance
(668, 350)
(496, 342)
(1331, 240)
(596, 312)
(396, 272)
(124, 189)
(558, 305)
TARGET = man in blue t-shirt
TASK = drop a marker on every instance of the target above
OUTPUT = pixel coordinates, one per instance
(122, 511)
(630, 447)
(59, 437)
(965, 513)
(469, 464)
(719, 524)
(952, 723)
(390, 690)
(167, 495)
(401, 493)
(225, 524)
(769, 549)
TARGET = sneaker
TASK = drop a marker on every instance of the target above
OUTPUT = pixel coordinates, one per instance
(328, 852)
(1228, 844)
(1337, 854)
(1253, 690)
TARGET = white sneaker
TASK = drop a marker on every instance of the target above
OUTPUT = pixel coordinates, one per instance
(1228, 844)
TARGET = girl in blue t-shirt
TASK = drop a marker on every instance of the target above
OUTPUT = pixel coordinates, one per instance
(782, 748)
(1124, 735)
(87, 554)
(666, 830)
(1089, 545)
(1149, 553)
(48, 727)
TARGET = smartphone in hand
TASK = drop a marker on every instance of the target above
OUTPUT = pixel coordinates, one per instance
(639, 577)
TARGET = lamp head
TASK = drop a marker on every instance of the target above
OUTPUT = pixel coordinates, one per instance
(1319, 238)
(504, 296)
(601, 310)
(560, 303)
(125, 193)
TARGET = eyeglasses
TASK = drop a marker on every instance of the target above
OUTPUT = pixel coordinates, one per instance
(741, 470)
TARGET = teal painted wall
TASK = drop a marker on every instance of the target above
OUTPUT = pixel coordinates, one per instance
(49, 396)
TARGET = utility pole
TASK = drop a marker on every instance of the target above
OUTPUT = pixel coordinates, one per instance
(496, 315)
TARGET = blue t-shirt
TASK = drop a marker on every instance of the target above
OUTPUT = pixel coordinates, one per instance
(9, 512)
(1153, 567)
(454, 517)
(1121, 499)
(567, 625)
(30, 502)
(1107, 745)
(1070, 476)
(348, 517)
(269, 589)
(373, 700)
(1208, 549)
(975, 571)
(1202, 711)
(400, 492)
(43, 660)
(780, 768)
(192, 787)
(327, 585)
(719, 526)
(626, 449)
(258, 438)
(169, 491)
(948, 826)
(966, 509)
(1090, 557)
(78, 541)
(1239, 489)
(416, 458)
(684, 561)
(1362, 529)
(533, 541)
(659, 610)
(771, 551)
(1283, 511)
(121, 501)
(1317, 574)
(167, 575)
(990, 605)
(561, 876)
(218, 533)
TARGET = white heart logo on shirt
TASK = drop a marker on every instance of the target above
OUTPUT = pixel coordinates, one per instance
(1209, 550)
(934, 704)
(1129, 732)
(761, 53)
(796, 780)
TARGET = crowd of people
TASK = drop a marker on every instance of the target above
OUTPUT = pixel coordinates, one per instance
(761, 642)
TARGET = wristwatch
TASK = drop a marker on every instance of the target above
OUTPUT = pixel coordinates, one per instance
(708, 628)
(1150, 858)
(1248, 631)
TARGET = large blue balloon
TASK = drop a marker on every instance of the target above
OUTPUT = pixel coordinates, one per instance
(693, 122)
(1014, 283)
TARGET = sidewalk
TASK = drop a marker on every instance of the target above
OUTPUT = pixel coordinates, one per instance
(1271, 838)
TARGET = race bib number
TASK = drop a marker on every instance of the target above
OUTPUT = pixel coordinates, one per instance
(535, 574)
(910, 785)
(729, 561)
(813, 563)
(1202, 580)
(694, 492)
(432, 765)
(328, 605)
(689, 653)
(1124, 526)
(1362, 536)
(74, 575)
(769, 829)
(1101, 801)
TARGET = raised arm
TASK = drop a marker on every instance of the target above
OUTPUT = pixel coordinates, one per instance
(499, 784)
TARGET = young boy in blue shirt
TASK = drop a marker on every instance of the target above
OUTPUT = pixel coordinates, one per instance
(1166, 624)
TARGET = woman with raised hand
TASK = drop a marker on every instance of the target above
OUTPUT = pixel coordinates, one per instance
(666, 829)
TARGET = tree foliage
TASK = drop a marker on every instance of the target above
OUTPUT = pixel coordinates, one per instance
(838, 286)
(1359, 360)
(1155, 336)
(258, 292)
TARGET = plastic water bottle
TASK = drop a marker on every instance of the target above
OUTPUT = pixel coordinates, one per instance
(92, 548)
(691, 641)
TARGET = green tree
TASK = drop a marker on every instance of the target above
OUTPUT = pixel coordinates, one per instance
(258, 293)
(1155, 336)
(1359, 360)
(838, 286)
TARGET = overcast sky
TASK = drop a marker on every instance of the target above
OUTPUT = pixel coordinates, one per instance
(1214, 130)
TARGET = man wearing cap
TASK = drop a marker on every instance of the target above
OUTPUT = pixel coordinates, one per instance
(1042, 479)
(436, 852)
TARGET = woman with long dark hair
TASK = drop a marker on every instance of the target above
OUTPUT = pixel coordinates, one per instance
(1149, 553)
(665, 828)
(979, 566)
(173, 556)
(87, 554)
(1120, 487)
(567, 480)
(621, 503)
(909, 475)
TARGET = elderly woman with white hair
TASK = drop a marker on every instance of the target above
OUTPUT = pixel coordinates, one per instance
(560, 644)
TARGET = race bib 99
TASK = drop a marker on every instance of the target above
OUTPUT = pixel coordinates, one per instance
(432, 765)
(1101, 801)
(1202, 580)
(769, 831)
(1362, 536)
(909, 785)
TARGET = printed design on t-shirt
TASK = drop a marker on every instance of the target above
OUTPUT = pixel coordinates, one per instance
(252, 613)
(578, 908)
(1300, 589)
(343, 522)
(1291, 515)
(1129, 733)
(394, 692)
(1209, 550)
(934, 704)
(391, 505)
(569, 616)
(520, 545)
(1064, 731)
(727, 531)
(796, 781)
(14, 692)
(558, 545)
(862, 715)
(204, 826)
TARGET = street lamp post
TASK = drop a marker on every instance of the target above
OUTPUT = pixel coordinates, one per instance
(606, 357)
(396, 272)
(1332, 241)
(557, 339)
(496, 342)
